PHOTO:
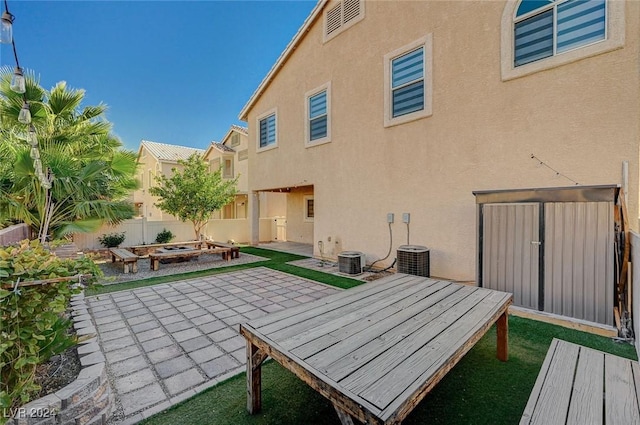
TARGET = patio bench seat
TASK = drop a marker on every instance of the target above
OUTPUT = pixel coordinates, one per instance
(127, 257)
(226, 253)
(235, 250)
(579, 385)
(155, 257)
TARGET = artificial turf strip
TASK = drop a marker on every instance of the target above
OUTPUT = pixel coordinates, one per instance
(276, 261)
(479, 390)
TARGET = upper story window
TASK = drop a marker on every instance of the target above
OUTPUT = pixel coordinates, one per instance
(227, 170)
(548, 28)
(318, 119)
(342, 15)
(267, 130)
(543, 34)
(214, 165)
(235, 139)
(408, 82)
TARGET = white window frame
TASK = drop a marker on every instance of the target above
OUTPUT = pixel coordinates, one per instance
(306, 208)
(615, 36)
(426, 43)
(259, 118)
(307, 142)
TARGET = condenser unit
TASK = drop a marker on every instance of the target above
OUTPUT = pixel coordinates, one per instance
(351, 262)
(413, 259)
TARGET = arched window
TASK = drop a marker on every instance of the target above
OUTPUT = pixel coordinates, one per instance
(544, 28)
(543, 34)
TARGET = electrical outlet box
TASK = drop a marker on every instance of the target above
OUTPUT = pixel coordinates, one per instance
(406, 217)
(390, 218)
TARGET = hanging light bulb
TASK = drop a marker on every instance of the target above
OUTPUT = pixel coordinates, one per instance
(6, 28)
(25, 114)
(17, 81)
(32, 136)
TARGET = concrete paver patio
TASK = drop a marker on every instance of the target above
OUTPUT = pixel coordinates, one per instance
(165, 343)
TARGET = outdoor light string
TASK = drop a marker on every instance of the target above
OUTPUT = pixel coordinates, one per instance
(558, 173)
(18, 85)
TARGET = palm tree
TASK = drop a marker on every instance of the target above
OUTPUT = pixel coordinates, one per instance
(92, 175)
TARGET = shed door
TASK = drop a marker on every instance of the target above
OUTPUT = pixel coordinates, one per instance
(511, 247)
(578, 260)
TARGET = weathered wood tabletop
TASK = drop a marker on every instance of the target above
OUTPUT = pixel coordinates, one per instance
(376, 350)
(580, 385)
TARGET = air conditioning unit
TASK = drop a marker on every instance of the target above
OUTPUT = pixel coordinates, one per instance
(351, 262)
(413, 259)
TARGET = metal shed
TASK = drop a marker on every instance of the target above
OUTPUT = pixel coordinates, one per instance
(553, 248)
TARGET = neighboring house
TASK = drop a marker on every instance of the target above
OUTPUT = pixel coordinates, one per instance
(155, 159)
(231, 154)
(409, 107)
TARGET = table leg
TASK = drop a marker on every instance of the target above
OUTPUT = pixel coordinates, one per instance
(503, 337)
(345, 418)
(255, 357)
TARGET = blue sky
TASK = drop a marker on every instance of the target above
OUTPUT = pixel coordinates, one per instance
(172, 72)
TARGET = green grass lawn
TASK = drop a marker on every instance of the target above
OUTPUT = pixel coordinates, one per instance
(479, 390)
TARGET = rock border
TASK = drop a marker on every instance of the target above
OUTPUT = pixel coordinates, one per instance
(86, 401)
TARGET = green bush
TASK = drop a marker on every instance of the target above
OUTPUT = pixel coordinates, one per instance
(32, 324)
(111, 240)
(165, 236)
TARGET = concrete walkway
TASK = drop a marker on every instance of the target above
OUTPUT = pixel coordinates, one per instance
(298, 248)
(166, 343)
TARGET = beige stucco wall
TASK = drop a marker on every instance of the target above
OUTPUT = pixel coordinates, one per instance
(582, 119)
(148, 164)
(298, 230)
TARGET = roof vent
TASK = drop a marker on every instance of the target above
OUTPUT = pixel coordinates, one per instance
(351, 262)
(413, 259)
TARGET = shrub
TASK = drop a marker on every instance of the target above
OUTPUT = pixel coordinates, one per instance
(32, 325)
(165, 236)
(111, 240)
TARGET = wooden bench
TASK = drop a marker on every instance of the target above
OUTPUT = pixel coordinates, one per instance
(226, 253)
(146, 249)
(127, 258)
(579, 385)
(235, 250)
(155, 257)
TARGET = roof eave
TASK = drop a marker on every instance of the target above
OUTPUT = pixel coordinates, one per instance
(282, 59)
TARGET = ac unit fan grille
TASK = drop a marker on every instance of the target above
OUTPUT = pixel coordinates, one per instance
(350, 262)
(414, 260)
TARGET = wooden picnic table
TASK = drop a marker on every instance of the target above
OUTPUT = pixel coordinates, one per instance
(376, 350)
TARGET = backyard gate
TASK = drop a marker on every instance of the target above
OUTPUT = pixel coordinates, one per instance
(552, 248)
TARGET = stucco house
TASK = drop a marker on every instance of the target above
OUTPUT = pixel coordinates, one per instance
(412, 107)
(231, 154)
(155, 159)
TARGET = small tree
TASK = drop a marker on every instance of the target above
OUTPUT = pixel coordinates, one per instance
(194, 193)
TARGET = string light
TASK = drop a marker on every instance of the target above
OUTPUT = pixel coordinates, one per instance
(18, 85)
(558, 173)
(6, 27)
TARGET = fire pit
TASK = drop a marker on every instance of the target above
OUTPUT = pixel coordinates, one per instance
(175, 249)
